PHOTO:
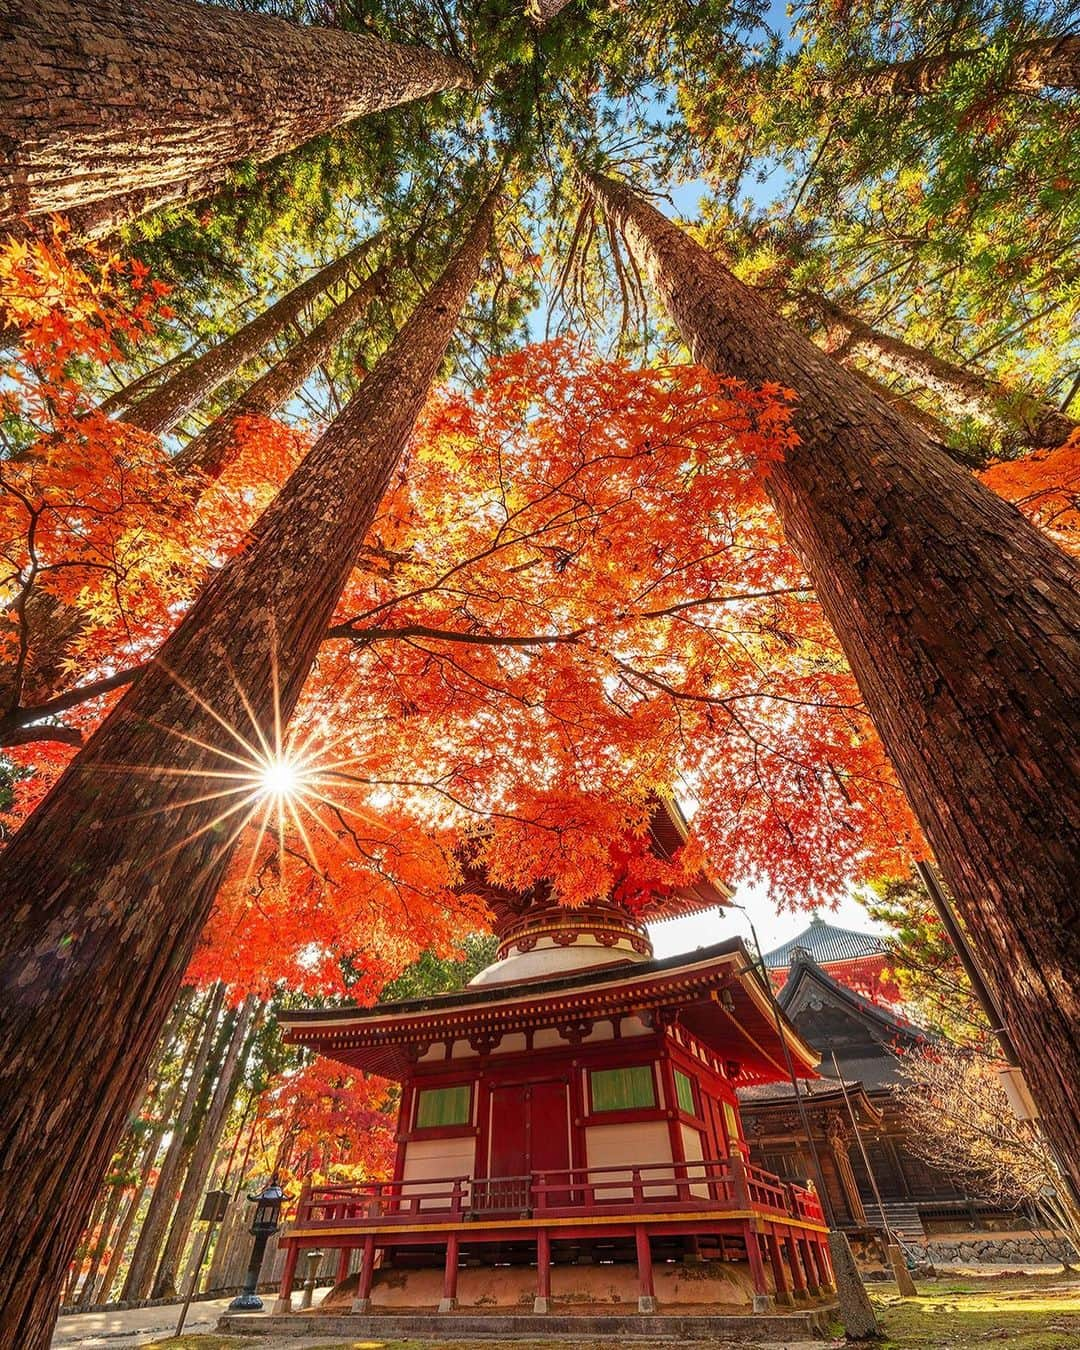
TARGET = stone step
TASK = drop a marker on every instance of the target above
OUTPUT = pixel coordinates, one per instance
(806, 1324)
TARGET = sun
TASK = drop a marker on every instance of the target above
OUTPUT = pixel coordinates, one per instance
(279, 776)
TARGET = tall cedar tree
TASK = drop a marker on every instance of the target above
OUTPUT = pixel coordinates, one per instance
(161, 409)
(92, 918)
(109, 110)
(961, 623)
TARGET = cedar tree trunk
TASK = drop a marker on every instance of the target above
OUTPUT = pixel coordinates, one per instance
(108, 884)
(167, 405)
(1043, 63)
(962, 625)
(961, 393)
(208, 453)
(122, 105)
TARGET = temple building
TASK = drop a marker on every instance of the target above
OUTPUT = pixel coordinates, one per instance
(569, 1127)
(834, 987)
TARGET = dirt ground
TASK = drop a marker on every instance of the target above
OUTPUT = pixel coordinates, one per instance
(1024, 1311)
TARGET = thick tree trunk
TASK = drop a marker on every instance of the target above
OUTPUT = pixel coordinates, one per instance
(152, 1233)
(1043, 63)
(108, 884)
(130, 1151)
(121, 105)
(208, 453)
(167, 405)
(962, 625)
(961, 393)
(165, 1285)
(149, 1157)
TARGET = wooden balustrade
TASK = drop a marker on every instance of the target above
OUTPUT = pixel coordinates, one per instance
(706, 1184)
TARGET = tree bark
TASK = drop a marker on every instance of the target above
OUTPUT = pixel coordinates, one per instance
(961, 393)
(135, 389)
(1042, 63)
(202, 1155)
(152, 1233)
(160, 410)
(962, 625)
(208, 453)
(130, 1151)
(149, 1156)
(109, 882)
(123, 105)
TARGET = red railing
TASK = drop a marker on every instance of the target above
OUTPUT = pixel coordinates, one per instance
(724, 1184)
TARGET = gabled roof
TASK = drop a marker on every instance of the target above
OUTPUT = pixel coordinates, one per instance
(385, 1038)
(805, 970)
(825, 942)
(812, 999)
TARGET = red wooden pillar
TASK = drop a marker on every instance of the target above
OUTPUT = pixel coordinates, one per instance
(646, 1293)
(809, 1266)
(762, 1300)
(343, 1265)
(283, 1302)
(542, 1301)
(798, 1280)
(780, 1281)
(449, 1287)
(362, 1301)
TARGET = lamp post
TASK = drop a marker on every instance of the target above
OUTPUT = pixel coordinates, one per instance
(264, 1225)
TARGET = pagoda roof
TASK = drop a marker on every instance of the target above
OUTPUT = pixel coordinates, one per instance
(386, 1038)
(825, 942)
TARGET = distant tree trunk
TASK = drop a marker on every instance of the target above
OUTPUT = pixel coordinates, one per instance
(123, 398)
(1042, 63)
(160, 410)
(122, 105)
(208, 453)
(108, 884)
(962, 625)
(960, 392)
(151, 1234)
(202, 1155)
(543, 11)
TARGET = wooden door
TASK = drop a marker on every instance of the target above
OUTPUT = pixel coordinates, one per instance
(530, 1132)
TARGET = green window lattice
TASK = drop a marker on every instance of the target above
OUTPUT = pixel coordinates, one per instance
(684, 1092)
(443, 1106)
(623, 1089)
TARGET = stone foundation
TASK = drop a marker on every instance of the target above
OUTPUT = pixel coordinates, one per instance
(950, 1249)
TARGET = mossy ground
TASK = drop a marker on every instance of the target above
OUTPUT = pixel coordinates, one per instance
(1029, 1312)
(1026, 1312)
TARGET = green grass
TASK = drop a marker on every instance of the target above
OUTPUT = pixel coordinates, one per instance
(1026, 1312)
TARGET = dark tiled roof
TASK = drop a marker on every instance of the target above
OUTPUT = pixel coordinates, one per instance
(825, 942)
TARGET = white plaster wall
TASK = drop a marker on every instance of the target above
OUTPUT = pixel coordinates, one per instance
(427, 1158)
(693, 1152)
(630, 1144)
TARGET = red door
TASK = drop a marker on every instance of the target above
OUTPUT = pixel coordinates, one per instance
(530, 1132)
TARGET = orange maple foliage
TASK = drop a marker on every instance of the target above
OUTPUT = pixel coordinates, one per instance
(322, 1121)
(1046, 487)
(575, 595)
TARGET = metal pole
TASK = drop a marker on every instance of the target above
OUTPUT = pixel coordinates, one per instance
(194, 1279)
(862, 1148)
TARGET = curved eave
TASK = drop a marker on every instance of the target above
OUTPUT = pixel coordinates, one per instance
(387, 1040)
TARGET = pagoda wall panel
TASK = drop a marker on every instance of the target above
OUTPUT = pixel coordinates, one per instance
(427, 1159)
(626, 1144)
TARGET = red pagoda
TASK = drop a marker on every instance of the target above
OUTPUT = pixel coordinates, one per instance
(574, 1107)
